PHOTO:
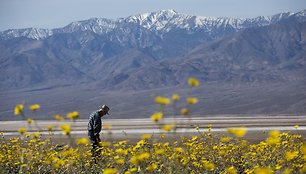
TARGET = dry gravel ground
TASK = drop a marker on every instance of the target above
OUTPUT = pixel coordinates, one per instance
(132, 129)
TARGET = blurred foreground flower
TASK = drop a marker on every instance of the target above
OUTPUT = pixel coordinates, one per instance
(29, 120)
(162, 100)
(193, 82)
(266, 170)
(209, 166)
(82, 141)
(231, 170)
(175, 97)
(184, 111)
(273, 137)
(290, 155)
(146, 136)
(192, 100)
(66, 129)
(58, 117)
(238, 132)
(34, 107)
(18, 109)
(274, 133)
(22, 130)
(110, 171)
(73, 115)
(50, 128)
(157, 116)
(152, 167)
(168, 127)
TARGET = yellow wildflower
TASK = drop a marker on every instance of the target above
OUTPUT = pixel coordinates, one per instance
(59, 163)
(73, 115)
(134, 160)
(50, 128)
(140, 143)
(184, 111)
(66, 129)
(296, 126)
(83, 141)
(266, 170)
(58, 117)
(162, 100)
(168, 127)
(303, 149)
(159, 151)
(178, 150)
(152, 167)
(287, 171)
(121, 151)
(209, 127)
(157, 116)
(35, 135)
(34, 107)
(146, 136)
(192, 100)
(225, 139)
(193, 82)
(272, 140)
(29, 120)
(238, 132)
(303, 169)
(209, 166)
(143, 156)
(290, 155)
(274, 133)
(175, 97)
(22, 131)
(18, 109)
(110, 171)
(120, 161)
(133, 169)
(122, 142)
(194, 138)
(231, 170)
(104, 144)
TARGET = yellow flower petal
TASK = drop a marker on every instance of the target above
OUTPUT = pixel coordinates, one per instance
(34, 107)
(175, 97)
(193, 82)
(157, 116)
(238, 132)
(192, 100)
(162, 100)
(18, 109)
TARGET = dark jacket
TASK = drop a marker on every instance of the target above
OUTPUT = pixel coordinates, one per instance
(94, 125)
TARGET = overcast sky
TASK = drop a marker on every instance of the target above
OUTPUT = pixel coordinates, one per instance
(58, 13)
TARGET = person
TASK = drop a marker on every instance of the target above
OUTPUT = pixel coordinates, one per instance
(94, 128)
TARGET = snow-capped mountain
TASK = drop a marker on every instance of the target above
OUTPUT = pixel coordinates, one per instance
(113, 52)
(159, 51)
(32, 33)
(159, 22)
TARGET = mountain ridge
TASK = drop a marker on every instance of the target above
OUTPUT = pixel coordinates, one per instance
(155, 21)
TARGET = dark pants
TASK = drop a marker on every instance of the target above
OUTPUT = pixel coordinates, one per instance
(95, 140)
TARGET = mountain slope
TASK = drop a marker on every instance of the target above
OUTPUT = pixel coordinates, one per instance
(274, 53)
(147, 49)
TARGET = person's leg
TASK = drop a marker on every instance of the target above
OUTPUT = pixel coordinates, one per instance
(93, 143)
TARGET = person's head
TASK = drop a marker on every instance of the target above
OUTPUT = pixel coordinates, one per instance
(103, 110)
